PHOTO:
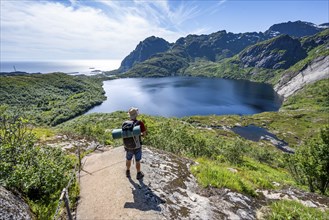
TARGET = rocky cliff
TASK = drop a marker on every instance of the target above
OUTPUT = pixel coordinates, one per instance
(278, 53)
(144, 50)
(313, 68)
(316, 70)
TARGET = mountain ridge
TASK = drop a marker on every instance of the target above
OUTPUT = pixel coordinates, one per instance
(213, 47)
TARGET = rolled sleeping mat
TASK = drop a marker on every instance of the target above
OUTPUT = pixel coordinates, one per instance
(119, 133)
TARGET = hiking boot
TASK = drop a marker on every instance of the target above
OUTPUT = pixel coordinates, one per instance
(128, 173)
(140, 175)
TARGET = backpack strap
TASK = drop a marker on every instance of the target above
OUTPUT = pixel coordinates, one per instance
(136, 139)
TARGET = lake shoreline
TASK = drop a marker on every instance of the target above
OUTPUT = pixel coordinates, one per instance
(181, 91)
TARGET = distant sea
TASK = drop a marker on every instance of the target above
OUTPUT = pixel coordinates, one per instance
(88, 67)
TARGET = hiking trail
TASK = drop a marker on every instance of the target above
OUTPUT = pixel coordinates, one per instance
(167, 191)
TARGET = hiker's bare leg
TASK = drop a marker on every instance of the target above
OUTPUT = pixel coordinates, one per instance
(138, 166)
(128, 164)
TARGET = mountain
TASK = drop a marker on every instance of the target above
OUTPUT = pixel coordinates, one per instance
(217, 46)
(295, 29)
(309, 43)
(213, 47)
(144, 50)
(311, 69)
(169, 63)
(278, 53)
(155, 57)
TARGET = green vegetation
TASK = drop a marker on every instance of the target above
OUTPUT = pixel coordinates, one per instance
(233, 68)
(50, 98)
(314, 97)
(230, 68)
(289, 209)
(38, 172)
(310, 164)
(159, 65)
(300, 117)
(218, 148)
(245, 177)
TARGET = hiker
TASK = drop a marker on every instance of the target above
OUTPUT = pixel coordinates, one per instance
(135, 142)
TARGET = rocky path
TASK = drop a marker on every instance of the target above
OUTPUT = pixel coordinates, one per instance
(168, 191)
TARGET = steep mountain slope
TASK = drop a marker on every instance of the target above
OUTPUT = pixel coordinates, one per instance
(175, 58)
(295, 29)
(213, 47)
(277, 53)
(277, 60)
(169, 63)
(217, 46)
(311, 69)
(144, 50)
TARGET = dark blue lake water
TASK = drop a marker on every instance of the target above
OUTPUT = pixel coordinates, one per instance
(186, 96)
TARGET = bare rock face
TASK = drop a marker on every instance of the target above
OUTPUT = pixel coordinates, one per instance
(277, 53)
(289, 84)
(171, 188)
(12, 206)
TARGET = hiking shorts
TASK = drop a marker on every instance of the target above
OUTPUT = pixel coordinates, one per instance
(137, 153)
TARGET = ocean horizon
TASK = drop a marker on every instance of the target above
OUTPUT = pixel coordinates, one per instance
(88, 67)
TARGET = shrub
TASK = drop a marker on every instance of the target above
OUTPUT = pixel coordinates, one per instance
(39, 173)
(234, 151)
(310, 164)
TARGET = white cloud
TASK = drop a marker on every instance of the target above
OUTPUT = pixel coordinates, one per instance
(35, 30)
(222, 2)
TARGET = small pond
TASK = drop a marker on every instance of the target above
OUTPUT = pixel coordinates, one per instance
(255, 133)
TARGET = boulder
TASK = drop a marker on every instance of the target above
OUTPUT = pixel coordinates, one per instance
(13, 206)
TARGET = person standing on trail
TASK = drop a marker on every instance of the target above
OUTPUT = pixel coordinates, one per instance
(133, 145)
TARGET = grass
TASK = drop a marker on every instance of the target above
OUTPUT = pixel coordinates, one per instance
(313, 97)
(250, 175)
(289, 209)
(43, 133)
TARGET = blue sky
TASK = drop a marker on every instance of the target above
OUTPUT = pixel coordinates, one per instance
(111, 29)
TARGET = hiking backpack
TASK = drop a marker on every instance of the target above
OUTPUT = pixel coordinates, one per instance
(134, 142)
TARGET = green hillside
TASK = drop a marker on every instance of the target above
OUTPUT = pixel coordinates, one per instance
(50, 98)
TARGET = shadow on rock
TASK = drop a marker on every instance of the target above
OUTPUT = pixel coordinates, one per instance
(144, 198)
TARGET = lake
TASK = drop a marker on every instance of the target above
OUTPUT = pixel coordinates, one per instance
(186, 96)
